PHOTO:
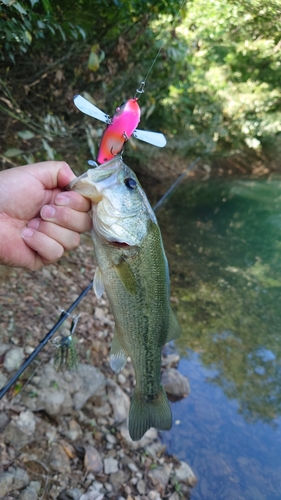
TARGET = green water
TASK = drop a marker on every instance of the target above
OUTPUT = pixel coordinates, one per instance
(223, 242)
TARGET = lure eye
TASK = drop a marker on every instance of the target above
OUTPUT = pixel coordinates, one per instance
(130, 183)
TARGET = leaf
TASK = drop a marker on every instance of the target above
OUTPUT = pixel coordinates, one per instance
(11, 152)
(26, 135)
(19, 8)
(49, 150)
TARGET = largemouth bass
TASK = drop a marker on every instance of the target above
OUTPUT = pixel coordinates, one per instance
(133, 270)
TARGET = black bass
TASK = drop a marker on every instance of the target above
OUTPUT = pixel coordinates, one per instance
(133, 271)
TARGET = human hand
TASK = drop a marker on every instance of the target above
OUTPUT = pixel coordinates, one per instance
(38, 220)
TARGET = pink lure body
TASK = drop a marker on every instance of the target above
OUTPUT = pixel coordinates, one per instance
(122, 126)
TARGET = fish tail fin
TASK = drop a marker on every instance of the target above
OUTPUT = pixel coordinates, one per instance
(143, 414)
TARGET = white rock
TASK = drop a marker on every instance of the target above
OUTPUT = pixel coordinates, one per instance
(175, 384)
(110, 465)
(185, 474)
(13, 359)
(154, 495)
(26, 422)
(92, 494)
(119, 401)
(91, 381)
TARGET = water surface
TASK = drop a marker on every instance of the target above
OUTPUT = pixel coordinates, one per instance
(223, 241)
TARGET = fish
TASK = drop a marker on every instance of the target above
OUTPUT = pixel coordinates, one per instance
(132, 269)
(119, 128)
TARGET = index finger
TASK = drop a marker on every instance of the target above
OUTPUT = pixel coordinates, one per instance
(73, 200)
(51, 174)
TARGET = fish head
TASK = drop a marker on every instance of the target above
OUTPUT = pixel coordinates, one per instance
(121, 212)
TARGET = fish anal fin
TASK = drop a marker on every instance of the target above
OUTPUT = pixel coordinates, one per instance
(174, 331)
(127, 277)
(98, 283)
(118, 355)
(143, 414)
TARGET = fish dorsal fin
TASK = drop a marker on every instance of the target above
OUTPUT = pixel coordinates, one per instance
(98, 285)
(126, 276)
(118, 355)
(174, 331)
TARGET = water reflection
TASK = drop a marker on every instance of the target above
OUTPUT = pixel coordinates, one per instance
(223, 241)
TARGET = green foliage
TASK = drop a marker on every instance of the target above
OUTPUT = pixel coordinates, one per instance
(213, 88)
(28, 23)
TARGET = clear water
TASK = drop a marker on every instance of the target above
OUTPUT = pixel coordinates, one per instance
(223, 241)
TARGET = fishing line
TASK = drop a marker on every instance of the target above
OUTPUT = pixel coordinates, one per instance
(67, 313)
(140, 89)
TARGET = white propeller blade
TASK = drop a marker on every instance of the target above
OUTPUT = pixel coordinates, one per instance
(89, 109)
(154, 138)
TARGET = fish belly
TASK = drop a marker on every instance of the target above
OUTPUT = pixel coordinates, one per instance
(136, 283)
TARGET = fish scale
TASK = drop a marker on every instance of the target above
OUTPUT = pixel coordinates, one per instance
(133, 270)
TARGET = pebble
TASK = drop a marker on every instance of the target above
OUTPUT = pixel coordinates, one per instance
(28, 493)
(155, 449)
(92, 460)
(59, 461)
(55, 402)
(92, 494)
(171, 360)
(108, 486)
(160, 477)
(15, 437)
(121, 378)
(119, 401)
(13, 359)
(118, 479)
(74, 494)
(133, 467)
(74, 431)
(91, 381)
(185, 474)
(36, 485)
(175, 384)
(154, 495)
(15, 479)
(110, 438)
(26, 422)
(110, 465)
(141, 487)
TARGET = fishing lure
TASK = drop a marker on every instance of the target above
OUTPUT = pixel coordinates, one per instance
(66, 355)
(120, 127)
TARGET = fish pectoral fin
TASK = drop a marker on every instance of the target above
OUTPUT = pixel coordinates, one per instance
(144, 414)
(174, 331)
(118, 355)
(127, 277)
(98, 285)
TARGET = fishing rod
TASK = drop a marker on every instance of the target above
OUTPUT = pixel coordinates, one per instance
(67, 313)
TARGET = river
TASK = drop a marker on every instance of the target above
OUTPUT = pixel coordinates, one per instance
(223, 242)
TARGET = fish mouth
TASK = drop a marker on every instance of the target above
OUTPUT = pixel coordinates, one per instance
(120, 244)
(92, 183)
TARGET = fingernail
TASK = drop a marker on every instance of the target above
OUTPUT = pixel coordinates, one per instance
(26, 232)
(62, 199)
(48, 212)
(33, 224)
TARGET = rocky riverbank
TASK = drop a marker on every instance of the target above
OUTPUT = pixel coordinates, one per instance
(64, 434)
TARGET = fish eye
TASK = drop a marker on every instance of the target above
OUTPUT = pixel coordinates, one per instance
(130, 183)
